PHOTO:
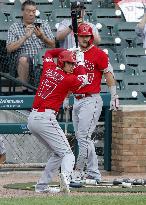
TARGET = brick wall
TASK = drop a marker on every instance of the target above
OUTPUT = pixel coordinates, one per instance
(129, 140)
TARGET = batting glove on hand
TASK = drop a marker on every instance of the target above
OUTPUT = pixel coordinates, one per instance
(66, 103)
(80, 58)
(114, 103)
(83, 78)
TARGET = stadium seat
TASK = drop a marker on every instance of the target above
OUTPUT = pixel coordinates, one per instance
(38, 63)
(3, 18)
(130, 56)
(60, 14)
(4, 23)
(90, 6)
(112, 55)
(45, 8)
(16, 15)
(6, 9)
(137, 83)
(54, 4)
(102, 29)
(138, 42)
(3, 35)
(126, 98)
(115, 44)
(42, 2)
(107, 16)
(126, 31)
(142, 66)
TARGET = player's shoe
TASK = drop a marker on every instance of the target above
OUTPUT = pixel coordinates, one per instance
(41, 188)
(92, 180)
(77, 177)
(64, 183)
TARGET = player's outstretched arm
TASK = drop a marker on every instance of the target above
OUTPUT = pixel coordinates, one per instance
(114, 103)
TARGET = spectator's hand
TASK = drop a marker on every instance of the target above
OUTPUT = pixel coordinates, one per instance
(29, 30)
(114, 103)
(38, 32)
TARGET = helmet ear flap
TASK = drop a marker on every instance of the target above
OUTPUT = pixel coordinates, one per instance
(91, 40)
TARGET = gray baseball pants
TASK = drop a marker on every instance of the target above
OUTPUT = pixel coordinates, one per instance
(86, 113)
(45, 127)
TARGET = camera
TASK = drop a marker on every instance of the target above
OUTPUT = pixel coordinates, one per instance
(77, 13)
(77, 8)
(37, 24)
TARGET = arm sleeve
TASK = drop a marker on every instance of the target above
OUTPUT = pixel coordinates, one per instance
(102, 60)
(11, 35)
(63, 25)
(54, 52)
(75, 83)
(80, 70)
(48, 60)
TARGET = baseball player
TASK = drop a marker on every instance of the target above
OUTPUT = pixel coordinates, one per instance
(88, 102)
(55, 83)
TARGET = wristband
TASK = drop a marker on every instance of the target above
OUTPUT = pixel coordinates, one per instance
(113, 90)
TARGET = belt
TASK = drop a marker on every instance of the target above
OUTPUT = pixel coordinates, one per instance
(80, 96)
(43, 110)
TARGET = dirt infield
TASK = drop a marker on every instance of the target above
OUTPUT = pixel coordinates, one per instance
(32, 176)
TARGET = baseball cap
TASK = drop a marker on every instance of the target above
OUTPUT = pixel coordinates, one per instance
(77, 4)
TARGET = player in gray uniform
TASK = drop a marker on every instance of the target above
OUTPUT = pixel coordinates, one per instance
(88, 102)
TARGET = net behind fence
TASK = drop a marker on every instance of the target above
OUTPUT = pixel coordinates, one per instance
(25, 150)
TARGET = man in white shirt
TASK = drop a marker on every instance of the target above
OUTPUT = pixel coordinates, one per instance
(65, 34)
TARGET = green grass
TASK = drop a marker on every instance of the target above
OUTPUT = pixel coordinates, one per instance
(116, 189)
(77, 200)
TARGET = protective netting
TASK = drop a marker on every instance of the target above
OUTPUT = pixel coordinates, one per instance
(26, 150)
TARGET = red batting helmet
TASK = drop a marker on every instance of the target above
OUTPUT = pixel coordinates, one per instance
(85, 29)
(65, 56)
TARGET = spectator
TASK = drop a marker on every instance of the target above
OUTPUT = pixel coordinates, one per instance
(25, 40)
(65, 33)
(141, 29)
